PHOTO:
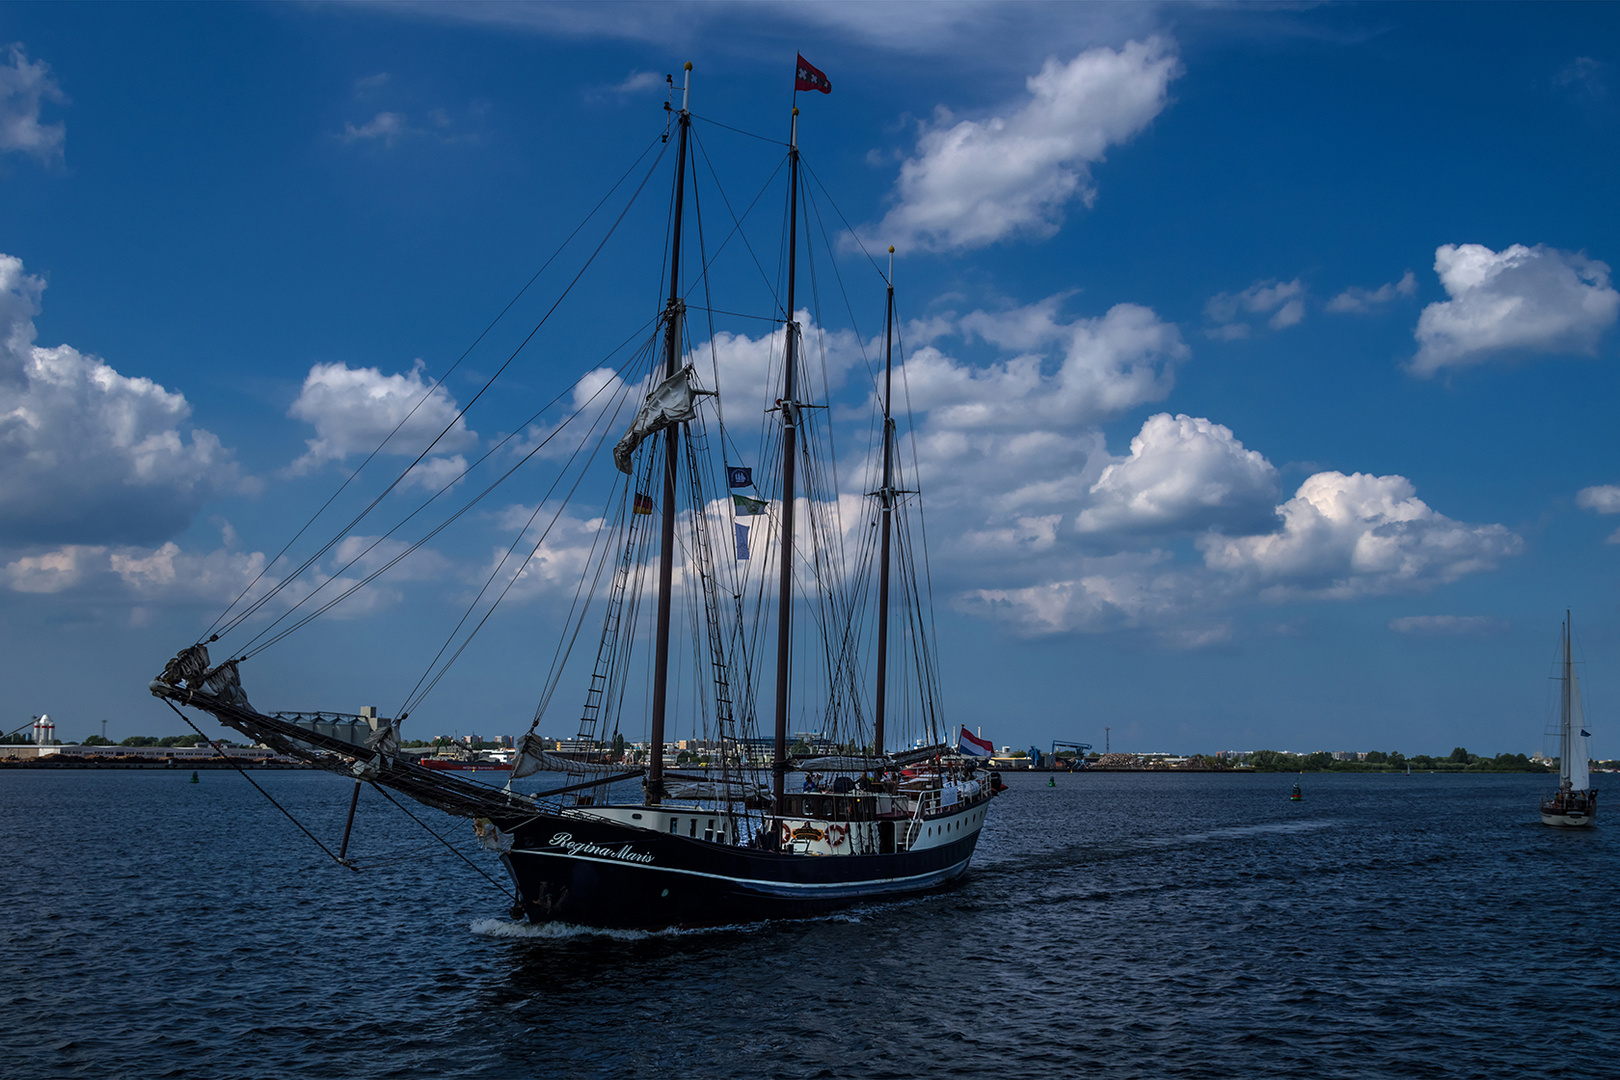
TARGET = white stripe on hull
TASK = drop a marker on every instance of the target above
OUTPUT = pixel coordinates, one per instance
(831, 889)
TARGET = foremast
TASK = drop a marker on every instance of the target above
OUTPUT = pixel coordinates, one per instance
(654, 783)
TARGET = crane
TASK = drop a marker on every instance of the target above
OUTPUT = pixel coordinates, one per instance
(1078, 761)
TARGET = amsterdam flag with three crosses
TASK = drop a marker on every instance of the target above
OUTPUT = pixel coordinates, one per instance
(808, 77)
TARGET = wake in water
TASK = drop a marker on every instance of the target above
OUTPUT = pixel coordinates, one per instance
(558, 931)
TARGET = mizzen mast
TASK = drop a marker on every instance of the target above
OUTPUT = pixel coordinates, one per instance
(666, 548)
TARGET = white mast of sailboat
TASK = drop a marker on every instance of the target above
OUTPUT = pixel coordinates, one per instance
(1572, 766)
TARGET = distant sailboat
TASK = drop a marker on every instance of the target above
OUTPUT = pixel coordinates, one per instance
(1575, 803)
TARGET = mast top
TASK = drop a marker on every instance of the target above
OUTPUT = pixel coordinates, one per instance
(686, 91)
(891, 266)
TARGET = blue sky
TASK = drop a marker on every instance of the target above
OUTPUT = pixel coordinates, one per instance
(1264, 359)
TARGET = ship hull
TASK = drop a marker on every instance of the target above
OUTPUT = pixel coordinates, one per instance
(1567, 820)
(603, 874)
(1570, 810)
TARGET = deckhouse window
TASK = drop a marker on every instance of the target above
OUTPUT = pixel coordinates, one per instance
(674, 823)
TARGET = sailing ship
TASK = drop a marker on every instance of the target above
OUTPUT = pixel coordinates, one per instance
(1575, 801)
(792, 825)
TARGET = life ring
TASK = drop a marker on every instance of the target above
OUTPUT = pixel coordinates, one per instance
(836, 834)
(787, 833)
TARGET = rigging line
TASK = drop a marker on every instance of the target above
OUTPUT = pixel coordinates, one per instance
(410, 700)
(600, 552)
(733, 586)
(839, 278)
(734, 314)
(601, 414)
(843, 290)
(429, 394)
(465, 408)
(457, 851)
(221, 752)
(432, 499)
(714, 353)
(480, 625)
(739, 131)
(821, 345)
(737, 221)
(853, 234)
(922, 520)
(396, 560)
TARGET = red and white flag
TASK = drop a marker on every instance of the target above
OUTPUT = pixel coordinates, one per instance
(809, 77)
(970, 743)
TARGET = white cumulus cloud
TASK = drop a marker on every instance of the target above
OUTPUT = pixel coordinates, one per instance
(1066, 374)
(88, 455)
(971, 183)
(750, 369)
(1184, 473)
(1358, 301)
(1521, 299)
(354, 409)
(166, 574)
(1605, 499)
(1284, 301)
(1447, 625)
(1345, 536)
(386, 128)
(24, 85)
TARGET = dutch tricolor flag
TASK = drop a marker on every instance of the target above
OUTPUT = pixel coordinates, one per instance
(971, 744)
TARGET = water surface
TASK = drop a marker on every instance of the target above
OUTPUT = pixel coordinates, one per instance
(1117, 925)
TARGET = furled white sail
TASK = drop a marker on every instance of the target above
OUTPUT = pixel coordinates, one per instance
(1574, 763)
(530, 759)
(671, 402)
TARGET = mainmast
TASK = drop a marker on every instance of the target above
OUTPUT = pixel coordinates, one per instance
(666, 549)
(886, 505)
(790, 421)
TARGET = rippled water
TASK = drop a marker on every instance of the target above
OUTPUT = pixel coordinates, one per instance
(1118, 925)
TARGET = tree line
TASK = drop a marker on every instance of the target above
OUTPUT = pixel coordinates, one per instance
(1459, 760)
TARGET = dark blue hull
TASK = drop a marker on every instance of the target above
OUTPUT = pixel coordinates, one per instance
(603, 874)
